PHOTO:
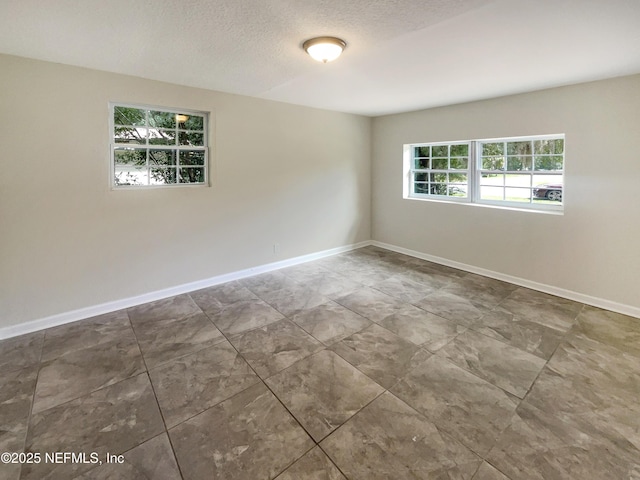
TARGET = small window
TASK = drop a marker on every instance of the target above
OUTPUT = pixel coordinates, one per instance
(522, 172)
(158, 147)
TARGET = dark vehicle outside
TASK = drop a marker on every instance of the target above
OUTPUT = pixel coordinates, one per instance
(549, 192)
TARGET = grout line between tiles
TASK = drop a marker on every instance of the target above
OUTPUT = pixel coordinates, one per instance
(260, 380)
(506, 476)
(562, 340)
(33, 399)
(329, 456)
(155, 397)
(276, 397)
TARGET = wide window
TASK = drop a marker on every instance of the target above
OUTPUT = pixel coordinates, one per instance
(523, 172)
(158, 146)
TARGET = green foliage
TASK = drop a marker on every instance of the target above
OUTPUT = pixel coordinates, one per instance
(458, 177)
(519, 163)
(440, 151)
(421, 152)
(192, 175)
(459, 163)
(438, 189)
(519, 148)
(440, 164)
(163, 175)
(548, 162)
(192, 157)
(493, 163)
(422, 163)
(541, 155)
(129, 116)
(140, 127)
(162, 119)
(555, 146)
(490, 149)
(460, 150)
(130, 156)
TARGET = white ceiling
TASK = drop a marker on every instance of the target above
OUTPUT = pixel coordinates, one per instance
(402, 55)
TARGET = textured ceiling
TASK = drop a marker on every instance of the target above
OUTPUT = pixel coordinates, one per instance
(402, 55)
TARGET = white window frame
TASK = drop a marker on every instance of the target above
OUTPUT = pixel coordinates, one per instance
(474, 175)
(414, 170)
(177, 148)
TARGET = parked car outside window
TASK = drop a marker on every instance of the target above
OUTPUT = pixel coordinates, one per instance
(549, 191)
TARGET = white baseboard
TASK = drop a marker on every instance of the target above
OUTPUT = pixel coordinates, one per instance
(541, 287)
(92, 311)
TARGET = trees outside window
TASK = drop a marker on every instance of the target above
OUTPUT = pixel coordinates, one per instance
(525, 171)
(152, 146)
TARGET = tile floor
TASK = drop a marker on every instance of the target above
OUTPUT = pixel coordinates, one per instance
(366, 365)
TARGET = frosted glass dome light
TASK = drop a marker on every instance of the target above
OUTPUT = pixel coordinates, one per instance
(324, 49)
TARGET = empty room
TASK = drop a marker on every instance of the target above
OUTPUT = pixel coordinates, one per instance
(342, 240)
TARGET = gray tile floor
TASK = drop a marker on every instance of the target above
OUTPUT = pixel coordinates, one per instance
(366, 365)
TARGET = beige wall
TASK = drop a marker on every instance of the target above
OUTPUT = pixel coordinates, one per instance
(282, 174)
(593, 249)
(295, 176)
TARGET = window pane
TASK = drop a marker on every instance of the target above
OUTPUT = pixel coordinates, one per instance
(421, 163)
(548, 188)
(549, 146)
(457, 191)
(190, 138)
(440, 164)
(195, 122)
(421, 188)
(548, 162)
(519, 163)
(519, 148)
(128, 116)
(547, 179)
(192, 175)
(191, 157)
(517, 194)
(491, 187)
(440, 151)
(438, 189)
(130, 175)
(518, 180)
(458, 178)
(438, 177)
(459, 163)
(492, 179)
(493, 163)
(421, 152)
(130, 156)
(130, 135)
(460, 150)
(491, 193)
(162, 137)
(162, 119)
(162, 176)
(489, 149)
(162, 157)
(421, 177)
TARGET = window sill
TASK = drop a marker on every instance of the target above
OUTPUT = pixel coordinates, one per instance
(485, 205)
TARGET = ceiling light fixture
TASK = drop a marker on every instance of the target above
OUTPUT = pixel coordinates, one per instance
(181, 117)
(324, 49)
